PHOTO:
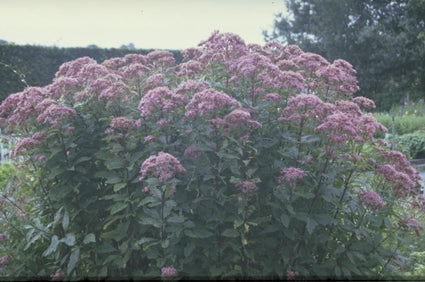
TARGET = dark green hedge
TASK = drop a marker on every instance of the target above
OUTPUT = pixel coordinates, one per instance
(37, 65)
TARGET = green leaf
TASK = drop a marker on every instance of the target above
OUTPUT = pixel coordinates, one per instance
(113, 180)
(52, 247)
(73, 258)
(118, 207)
(285, 220)
(311, 225)
(198, 233)
(189, 249)
(176, 219)
(118, 233)
(65, 221)
(69, 239)
(231, 233)
(89, 238)
(119, 186)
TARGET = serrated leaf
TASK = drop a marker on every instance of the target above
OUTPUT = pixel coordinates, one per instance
(119, 186)
(175, 219)
(89, 238)
(230, 233)
(69, 239)
(189, 249)
(285, 220)
(311, 225)
(73, 258)
(118, 207)
(52, 247)
(65, 221)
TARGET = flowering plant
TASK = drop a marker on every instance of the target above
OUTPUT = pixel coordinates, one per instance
(240, 161)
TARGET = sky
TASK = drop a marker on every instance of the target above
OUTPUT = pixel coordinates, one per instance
(156, 24)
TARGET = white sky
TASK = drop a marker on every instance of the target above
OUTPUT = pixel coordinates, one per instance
(157, 24)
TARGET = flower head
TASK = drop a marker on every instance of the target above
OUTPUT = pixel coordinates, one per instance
(163, 166)
(209, 102)
(371, 199)
(168, 271)
(246, 186)
(290, 175)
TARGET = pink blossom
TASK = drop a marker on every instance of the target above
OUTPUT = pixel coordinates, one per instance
(122, 124)
(209, 102)
(190, 87)
(371, 199)
(168, 271)
(411, 223)
(291, 275)
(306, 106)
(149, 138)
(73, 68)
(154, 81)
(4, 260)
(397, 170)
(246, 187)
(58, 275)
(190, 68)
(117, 91)
(272, 97)
(310, 60)
(161, 58)
(191, 54)
(135, 59)
(19, 108)
(40, 158)
(364, 102)
(164, 166)
(192, 153)
(223, 48)
(240, 118)
(290, 175)
(160, 99)
(53, 113)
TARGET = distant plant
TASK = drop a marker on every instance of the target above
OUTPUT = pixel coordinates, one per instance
(411, 144)
(241, 161)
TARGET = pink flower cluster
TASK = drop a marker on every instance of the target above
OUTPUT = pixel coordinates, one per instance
(411, 223)
(3, 237)
(291, 175)
(168, 271)
(291, 275)
(397, 170)
(192, 153)
(240, 118)
(347, 122)
(246, 186)
(163, 166)
(161, 99)
(57, 276)
(306, 106)
(371, 199)
(4, 260)
(209, 102)
(121, 124)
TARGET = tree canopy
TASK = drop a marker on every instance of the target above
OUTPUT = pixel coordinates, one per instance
(383, 39)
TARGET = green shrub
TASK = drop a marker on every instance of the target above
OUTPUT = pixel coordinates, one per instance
(403, 124)
(411, 144)
(223, 166)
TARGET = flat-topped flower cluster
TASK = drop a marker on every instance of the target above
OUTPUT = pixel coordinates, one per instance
(261, 151)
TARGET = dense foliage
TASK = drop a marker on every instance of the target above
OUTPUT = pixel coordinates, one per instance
(384, 40)
(21, 66)
(241, 161)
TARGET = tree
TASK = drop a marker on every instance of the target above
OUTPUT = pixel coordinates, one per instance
(383, 39)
